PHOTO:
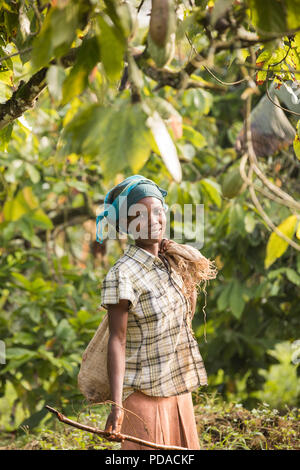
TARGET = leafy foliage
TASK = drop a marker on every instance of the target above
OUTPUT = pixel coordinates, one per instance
(221, 426)
(83, 104)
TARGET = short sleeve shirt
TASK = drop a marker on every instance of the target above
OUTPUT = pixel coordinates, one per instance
(162, 353)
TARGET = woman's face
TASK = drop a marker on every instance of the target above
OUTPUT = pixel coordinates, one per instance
(147, 220)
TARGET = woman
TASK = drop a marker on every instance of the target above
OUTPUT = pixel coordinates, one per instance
(153, 357)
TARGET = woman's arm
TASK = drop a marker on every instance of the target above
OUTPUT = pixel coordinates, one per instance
(117, 319)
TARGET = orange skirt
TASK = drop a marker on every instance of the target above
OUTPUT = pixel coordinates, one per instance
(163, 420)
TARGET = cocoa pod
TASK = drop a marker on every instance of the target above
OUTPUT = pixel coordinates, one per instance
(158, 28)
(232, 184)
(162, 21)
(162, 55)
(161, 36)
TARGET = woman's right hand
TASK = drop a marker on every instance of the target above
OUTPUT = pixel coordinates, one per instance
(114, 422)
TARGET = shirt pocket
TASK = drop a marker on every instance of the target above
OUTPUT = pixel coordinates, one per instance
(162, 298)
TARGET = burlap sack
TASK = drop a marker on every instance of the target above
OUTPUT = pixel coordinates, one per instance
(93, 379)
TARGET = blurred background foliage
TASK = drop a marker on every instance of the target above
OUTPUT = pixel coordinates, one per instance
(85, 102)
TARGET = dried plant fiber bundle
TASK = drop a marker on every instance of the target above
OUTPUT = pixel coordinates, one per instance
(194, 268)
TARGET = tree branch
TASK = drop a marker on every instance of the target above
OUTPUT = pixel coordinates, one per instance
(107, 434)
(242, 40)
(27, 93)
(177, 80)
(181, 79)
(254, 167)
(8, 56)
(68, 217)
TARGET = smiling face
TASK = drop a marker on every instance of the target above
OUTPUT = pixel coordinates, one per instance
(147, 220)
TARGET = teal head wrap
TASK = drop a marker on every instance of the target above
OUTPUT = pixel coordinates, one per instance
(133, 189)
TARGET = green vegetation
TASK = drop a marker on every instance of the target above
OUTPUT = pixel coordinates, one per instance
(84, 103)
(221, 426)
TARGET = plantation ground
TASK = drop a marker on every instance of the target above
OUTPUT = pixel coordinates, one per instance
(221, 426)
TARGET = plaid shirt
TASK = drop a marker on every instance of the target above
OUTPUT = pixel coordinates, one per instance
(162, 354)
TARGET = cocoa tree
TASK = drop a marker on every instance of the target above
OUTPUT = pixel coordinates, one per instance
(87, 90)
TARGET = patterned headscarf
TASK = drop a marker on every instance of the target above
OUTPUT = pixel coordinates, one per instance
(132, 189)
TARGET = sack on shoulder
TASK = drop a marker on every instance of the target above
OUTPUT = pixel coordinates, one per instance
(93, 381)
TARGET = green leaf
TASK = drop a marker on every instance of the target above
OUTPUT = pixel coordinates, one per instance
(268, 16)
(135, 74)
(41, 219)
(127, 137)
(298, 231)
(23, 280)
(276, 246)
(6, 6)
(250, 222)
(293, 13)
(236, 300)
(213, 190)
(199, 100)
(296, 142)
(57, 33)
(64, 332)
(165, 145)
(82, 318)
(236, 219)
(14, 209)
(16, 353)
(51, 317)
(293, 276)
(55, 77)
(79, 185)
(33, 173)
(6, 77)
(25, 203)
(15, 357)
(85, 132)
(274, 274)
(195, 137)
(5, 136)
(224, 298)
(77, 80)
(64, 22)
(48, 356)
(42, 46)
(117, 135)
(187, 151)
(29, 197)
(112, 46)
(35, 314)
(24, 338)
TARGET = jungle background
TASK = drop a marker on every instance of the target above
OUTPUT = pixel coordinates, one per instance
(90, 93)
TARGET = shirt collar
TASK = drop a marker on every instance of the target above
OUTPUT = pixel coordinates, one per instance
(142, 256)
